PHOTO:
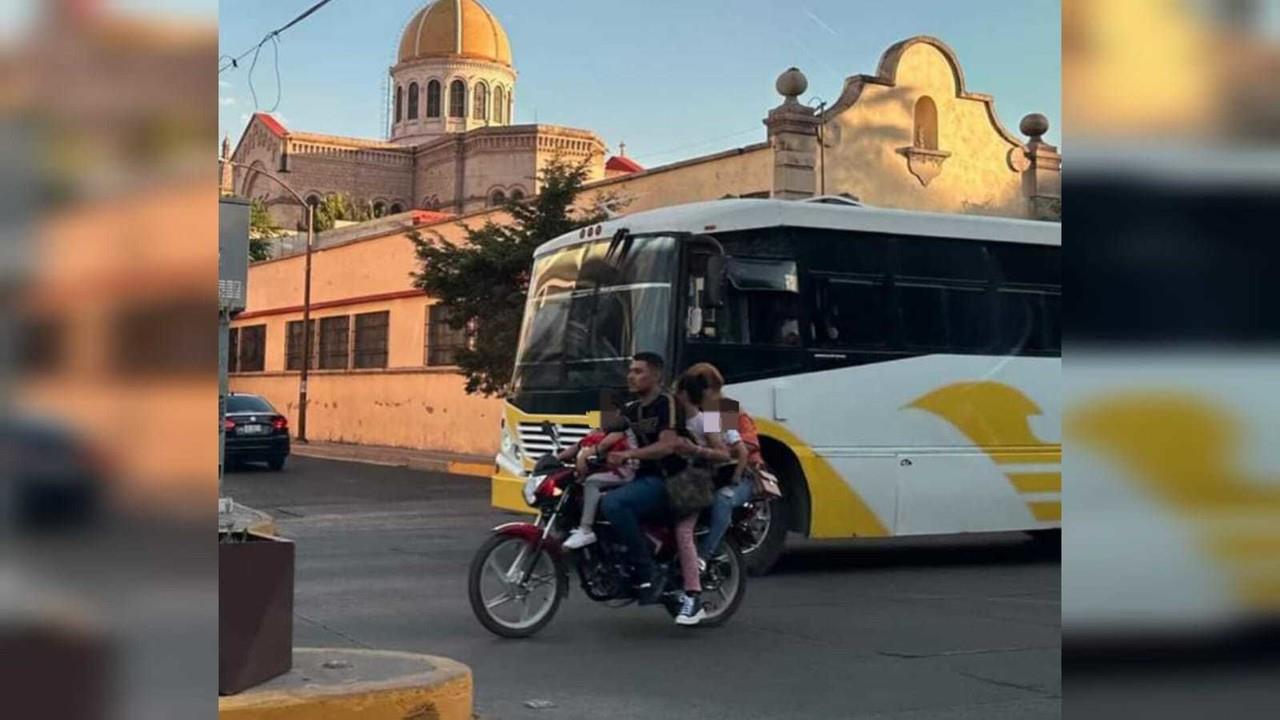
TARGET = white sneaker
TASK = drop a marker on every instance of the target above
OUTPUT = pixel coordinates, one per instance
(579, 538)
(691, 610)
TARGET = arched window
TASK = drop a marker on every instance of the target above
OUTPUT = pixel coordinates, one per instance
(517, 195)
(433, 99)
(497, 198)
(499, 104)
(481, 109)
(379, 209)
(396, 208)
(457, 99)
(926, 130)
(399, 103)
(413, 101)
(313, 200)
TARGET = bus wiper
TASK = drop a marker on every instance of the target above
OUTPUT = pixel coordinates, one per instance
(619, 247)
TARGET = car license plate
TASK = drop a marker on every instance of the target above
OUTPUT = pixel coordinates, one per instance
(251, 429)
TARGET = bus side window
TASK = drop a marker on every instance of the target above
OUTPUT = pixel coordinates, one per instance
(849, 312)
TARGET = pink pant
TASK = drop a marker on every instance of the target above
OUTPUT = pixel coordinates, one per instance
(688, 554)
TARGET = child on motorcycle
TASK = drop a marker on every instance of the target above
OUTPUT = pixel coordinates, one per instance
(590, 454)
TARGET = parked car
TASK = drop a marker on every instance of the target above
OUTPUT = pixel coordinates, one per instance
(255, 431)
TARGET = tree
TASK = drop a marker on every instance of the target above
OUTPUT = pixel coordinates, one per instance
(337, 207)
(483, 281)
(261, 231)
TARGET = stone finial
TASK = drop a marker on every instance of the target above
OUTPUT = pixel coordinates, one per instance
(1034, 126)
(226, 146)
(791, 84)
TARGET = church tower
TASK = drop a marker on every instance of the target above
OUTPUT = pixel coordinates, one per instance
(453, 73)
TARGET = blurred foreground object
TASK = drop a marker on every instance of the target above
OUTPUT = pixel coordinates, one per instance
(109, 270)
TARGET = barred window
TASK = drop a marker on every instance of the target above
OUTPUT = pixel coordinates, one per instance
(335, 343)
(443, 341)
(294, 341)
(252, 346)
(371, 340)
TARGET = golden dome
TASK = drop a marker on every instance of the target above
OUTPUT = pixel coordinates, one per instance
(455, 28)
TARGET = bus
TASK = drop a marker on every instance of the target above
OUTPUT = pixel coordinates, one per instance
(903, 368)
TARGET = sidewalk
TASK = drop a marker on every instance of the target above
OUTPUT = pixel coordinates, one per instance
(428, 460)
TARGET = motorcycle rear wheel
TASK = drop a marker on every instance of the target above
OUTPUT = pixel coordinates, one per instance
(493, 584)
(728, 568)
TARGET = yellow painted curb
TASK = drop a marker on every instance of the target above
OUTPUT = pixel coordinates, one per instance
(475, 469)
(344, 684)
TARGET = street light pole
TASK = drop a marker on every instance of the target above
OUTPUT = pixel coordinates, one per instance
(306, 328)
(306, 292)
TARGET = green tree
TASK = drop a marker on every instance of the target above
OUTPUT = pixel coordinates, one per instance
(339, 206)
(483, 281)
(261, 230)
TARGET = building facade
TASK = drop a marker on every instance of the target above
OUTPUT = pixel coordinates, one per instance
(912, 135)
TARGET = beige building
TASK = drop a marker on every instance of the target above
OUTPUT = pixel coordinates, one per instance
(912, 135)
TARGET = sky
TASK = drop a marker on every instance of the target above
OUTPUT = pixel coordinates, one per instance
(672, 78)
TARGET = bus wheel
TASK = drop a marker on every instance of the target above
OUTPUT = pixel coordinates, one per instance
(767, 528)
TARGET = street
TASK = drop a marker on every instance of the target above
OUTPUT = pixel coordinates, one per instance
(938, 629)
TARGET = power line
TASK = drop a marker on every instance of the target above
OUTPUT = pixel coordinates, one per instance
(235, 61)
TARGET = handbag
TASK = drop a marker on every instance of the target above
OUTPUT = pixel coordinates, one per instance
(690, 491)
(767, 483)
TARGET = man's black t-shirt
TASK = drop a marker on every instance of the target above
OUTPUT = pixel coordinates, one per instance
(647, 422)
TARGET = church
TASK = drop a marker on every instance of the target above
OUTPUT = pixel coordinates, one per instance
(452, 146)
(911, 135)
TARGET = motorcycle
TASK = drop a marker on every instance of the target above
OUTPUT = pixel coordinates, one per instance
(521, 573)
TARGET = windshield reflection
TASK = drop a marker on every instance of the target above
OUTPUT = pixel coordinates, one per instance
(591, 307)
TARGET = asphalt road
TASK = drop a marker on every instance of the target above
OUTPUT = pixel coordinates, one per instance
(938, 629)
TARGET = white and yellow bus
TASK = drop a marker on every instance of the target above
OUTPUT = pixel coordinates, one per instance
(904, 368)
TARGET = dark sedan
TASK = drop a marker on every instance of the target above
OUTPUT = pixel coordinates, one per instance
(255, 431)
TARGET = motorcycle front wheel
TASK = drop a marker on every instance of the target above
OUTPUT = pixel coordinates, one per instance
(503, 601)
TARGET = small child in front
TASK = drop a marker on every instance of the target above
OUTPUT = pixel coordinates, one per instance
(615, 437)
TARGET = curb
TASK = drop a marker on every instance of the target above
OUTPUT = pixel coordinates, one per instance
(243, 517)
(337, 684)
(405, 460)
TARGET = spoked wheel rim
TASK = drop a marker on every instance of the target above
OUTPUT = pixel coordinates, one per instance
(509, 602)
(758, 525)
(723, 582)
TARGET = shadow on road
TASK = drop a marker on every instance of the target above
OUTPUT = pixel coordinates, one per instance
(823, 556)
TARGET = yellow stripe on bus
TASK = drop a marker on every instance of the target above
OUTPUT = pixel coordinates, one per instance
(836, 510)
(1036, 482)
(1048, 511)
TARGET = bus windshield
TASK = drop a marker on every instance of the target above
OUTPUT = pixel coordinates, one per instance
(591, 307)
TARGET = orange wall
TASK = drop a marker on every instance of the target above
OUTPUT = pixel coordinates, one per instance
(420, 408)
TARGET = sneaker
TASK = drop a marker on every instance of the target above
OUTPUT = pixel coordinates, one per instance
(702, 566)
(691, 610)
(579, 538)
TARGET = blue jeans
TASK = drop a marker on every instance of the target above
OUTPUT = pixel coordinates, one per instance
(727, 498)
(643, 500)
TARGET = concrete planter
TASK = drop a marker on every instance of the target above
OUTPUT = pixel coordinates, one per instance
(255, 610)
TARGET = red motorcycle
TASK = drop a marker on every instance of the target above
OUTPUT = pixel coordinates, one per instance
(521, 573)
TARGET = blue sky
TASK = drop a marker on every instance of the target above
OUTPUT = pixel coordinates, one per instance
(672, 78)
